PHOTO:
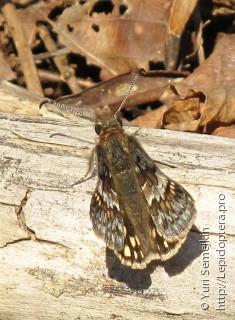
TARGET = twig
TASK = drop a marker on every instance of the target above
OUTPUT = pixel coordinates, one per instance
(61, 63)
(22, 45)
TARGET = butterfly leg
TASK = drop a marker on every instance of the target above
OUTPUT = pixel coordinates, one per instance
(92, 169)
(136, 132)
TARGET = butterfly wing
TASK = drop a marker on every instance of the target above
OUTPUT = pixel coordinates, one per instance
(171, 206)
(105, 211)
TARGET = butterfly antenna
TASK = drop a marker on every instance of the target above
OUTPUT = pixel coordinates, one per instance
(129, 91)
(64, 107)
(80, 114)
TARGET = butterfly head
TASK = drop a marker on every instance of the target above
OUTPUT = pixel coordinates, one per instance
(107, 122)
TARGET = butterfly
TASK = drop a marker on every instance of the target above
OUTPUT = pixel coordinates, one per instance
(139, 212)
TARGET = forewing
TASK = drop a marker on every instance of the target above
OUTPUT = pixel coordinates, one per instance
(105, 212)
(171, 206)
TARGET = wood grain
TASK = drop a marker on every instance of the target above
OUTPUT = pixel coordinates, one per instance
(53, 266)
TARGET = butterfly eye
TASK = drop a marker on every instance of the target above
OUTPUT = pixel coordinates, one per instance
(98, 128)
(120, 122)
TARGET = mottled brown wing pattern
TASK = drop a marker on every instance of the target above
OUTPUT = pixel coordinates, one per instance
(171, 211)
(132, 252)
(171, 206)
(111, 224)
(105, 212)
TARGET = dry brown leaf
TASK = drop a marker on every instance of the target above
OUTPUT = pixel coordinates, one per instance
(151, 119)
(118, 42)
(38, 11)
(228, 132)
(213, 85)
(184, 115)
(181, 11)
(111, 92)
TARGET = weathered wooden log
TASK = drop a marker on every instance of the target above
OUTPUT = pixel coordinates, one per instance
(52, 266)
